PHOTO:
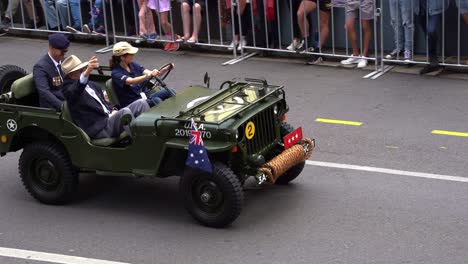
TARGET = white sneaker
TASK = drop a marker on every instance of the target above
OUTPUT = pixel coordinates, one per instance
(241, 45)
(232, 45)
(352, 60)
(362, 63)
(299, 45)
(293, 45)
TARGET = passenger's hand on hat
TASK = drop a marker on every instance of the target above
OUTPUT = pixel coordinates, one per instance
(92, 64)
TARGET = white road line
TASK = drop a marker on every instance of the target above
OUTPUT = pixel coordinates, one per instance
(388, 171)
(48, 257)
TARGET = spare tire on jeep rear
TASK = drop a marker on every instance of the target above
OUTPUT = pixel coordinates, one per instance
(9, 74)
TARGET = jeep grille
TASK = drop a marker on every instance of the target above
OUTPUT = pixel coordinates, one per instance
(265, 132)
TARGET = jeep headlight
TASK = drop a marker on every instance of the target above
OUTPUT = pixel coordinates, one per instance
(237, 134)
(275, 109)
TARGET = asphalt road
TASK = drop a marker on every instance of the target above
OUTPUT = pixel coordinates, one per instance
(327, 215)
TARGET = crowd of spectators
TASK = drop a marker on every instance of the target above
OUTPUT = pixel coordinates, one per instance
(245, 18)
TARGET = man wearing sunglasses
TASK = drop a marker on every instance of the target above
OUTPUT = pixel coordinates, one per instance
(48, 75)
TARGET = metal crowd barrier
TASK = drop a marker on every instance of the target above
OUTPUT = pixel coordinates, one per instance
(271, 18)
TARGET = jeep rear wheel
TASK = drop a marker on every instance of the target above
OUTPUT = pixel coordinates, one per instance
(47, 173)
(215, 199)
(295, 171)
(9, 74)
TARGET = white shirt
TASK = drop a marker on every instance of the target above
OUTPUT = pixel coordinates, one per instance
(91, 92)
(56, 66)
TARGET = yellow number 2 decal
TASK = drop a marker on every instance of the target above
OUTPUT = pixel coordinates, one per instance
(250, 130)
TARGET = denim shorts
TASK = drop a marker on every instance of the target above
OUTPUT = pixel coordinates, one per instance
(366, 7)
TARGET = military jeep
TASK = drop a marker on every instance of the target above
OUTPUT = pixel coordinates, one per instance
(242, 125)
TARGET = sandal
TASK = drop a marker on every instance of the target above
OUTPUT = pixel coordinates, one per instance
(168, 45)
(180, 39)
(174, 47)
(192, 40)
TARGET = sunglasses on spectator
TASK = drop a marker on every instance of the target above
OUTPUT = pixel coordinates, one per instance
(63, 51)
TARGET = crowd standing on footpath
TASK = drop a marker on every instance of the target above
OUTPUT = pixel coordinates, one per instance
(153, 20)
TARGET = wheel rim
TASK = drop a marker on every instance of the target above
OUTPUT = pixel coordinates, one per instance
(45, 174)
(208, 196)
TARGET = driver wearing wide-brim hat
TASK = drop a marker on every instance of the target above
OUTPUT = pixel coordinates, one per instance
(88, 108)
(129, 77)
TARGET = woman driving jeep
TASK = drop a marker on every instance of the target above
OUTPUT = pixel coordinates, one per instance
(130, 79)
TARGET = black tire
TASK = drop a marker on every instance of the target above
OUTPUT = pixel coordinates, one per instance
(225, 196)
(295, 171)
(9, 74)
(47, 173)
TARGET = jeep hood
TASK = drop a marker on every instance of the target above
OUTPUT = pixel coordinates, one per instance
(208, 105)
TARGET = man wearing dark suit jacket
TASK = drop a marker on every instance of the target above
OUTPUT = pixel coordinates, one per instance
(48, 75)
(88, 108)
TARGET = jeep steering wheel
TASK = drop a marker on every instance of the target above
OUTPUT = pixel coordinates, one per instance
(151, 83)
(171, 66)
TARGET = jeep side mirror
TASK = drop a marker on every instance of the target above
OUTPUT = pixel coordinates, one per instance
(206, 80)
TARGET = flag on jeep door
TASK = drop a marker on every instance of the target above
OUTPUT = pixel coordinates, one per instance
(197, 157)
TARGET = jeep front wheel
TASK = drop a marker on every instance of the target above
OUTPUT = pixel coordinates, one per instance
(47, 173)
(215, 199)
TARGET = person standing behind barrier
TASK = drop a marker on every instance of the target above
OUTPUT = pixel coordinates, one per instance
(296, 42)
(239, 8)
(364, 9)
(147, 29)
(463, 6)
(163, 8)
(70, 19)
(463, 9)
(95, 24)
(403, 26)
(13, 7)
(189, 7)
(51, 15)
(429, 14)
(305, 9)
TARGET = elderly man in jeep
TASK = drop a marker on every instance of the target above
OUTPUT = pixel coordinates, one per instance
(88, 108)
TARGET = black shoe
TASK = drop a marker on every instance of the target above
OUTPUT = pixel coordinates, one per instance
(314, 60)
(6, 21)
(430, 68)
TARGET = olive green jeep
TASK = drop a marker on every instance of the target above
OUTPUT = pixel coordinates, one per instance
(242, 125)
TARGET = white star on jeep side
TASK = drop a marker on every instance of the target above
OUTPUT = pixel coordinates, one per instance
(11, 124)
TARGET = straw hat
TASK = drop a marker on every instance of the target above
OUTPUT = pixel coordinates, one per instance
(72, 63)
(122, 48)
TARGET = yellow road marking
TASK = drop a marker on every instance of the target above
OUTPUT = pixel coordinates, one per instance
(450, 133)
(392, 147)
(341, 122)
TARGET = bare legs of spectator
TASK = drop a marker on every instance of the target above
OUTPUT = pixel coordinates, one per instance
(193, 38)
(28, 5)
(167, 27)
(303, 22)
(303, 12)
(145, 16)
(367, 32)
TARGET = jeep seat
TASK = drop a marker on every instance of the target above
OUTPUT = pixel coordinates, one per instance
(24, 91)
(111, 93)
(101, 142)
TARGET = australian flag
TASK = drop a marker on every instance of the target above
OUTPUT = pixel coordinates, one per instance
(197, 156)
